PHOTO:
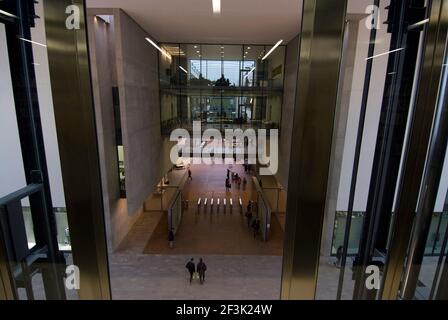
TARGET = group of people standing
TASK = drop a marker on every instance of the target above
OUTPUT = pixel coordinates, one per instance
(196, 270)
(235, 178)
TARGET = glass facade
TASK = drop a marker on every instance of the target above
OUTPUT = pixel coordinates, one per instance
(222, 86)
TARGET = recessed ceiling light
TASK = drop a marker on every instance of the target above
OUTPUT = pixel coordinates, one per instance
(246, 52)
(248, 48)
(195, 47)
(198, 51)
(216, 6)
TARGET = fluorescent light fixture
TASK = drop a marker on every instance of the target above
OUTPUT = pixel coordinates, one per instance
(418, 24)
(252, 70)
(8, 14)
(33, 42)
(216, 6)
(183, 69)
(384, 54)
(158, 48)
(251, 100)
(272, 50)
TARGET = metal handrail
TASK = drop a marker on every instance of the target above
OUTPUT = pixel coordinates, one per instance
(21, 193)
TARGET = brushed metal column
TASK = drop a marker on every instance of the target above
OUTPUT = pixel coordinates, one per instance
(75, 123)
(323, 24)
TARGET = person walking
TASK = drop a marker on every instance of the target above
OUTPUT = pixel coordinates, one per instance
(228, 184)
(201, 268)
(189, 174)
(249, 206)
(338, 257)
(256, 226)
(191, 268)
(171, 239)
(249, 216)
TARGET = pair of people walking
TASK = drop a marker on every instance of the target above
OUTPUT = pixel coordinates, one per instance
(198, 270)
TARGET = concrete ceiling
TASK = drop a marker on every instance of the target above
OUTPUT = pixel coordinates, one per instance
(193, 21)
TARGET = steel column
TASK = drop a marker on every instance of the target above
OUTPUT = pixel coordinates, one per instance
(75, 124)
(322, 33)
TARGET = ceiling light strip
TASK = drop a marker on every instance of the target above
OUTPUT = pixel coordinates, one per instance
(418, 24)
(183, 69)
(158, 48)
(272, 50)
(252, 70)
(384, 54)
(33, 42)
(7, 14)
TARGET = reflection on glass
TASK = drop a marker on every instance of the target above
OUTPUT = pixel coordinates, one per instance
(368, 145)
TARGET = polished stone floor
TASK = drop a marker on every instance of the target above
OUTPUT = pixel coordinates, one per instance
(218, 237)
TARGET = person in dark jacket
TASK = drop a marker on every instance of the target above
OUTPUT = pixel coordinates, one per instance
(249, 213)
(191, 268)
(201, 268)
(256, 227)
(339, 256)
(171, 238)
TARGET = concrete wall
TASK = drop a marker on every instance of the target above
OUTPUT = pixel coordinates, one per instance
(101, 36)
(121, 57)
(289, 100)
(138, 82)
